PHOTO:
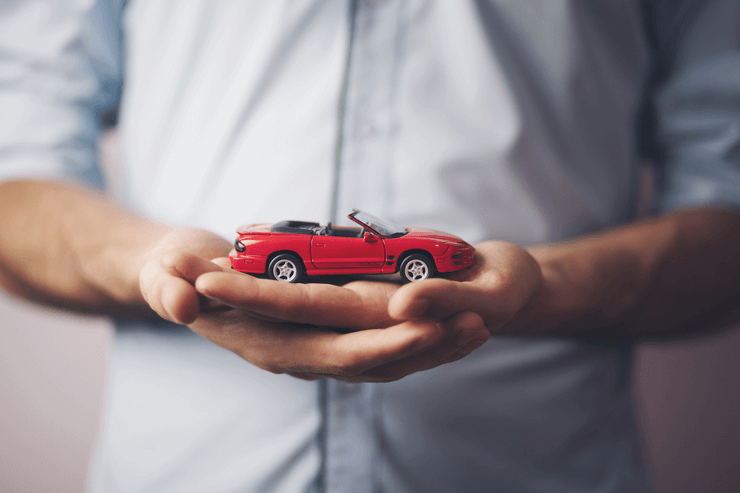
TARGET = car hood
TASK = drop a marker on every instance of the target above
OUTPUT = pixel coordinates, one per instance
(433, 234)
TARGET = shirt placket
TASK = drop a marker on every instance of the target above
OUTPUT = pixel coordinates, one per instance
(351, 441)
(368, 119)
(352, 409)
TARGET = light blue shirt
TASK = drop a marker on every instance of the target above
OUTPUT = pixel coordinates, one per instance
(492, 119)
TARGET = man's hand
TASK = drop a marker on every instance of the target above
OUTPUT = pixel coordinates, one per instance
(373, 355)
(398, 330)
(299, 337)
(293, 329)
(171, 267)
(502, 281)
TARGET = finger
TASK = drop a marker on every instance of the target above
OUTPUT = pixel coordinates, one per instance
(438, 299)
(310, 377)
(458, 337)
(223, 262)
(172, 298)
(179, 297)
(180, 300)
(359, 305)
(497, 301)
(287, 348)
(464, 333)
(166, 285)
(186, 265)
(356, 352)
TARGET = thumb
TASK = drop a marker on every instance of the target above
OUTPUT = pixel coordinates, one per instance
(439, 299)
(167, 285)
(436, 299)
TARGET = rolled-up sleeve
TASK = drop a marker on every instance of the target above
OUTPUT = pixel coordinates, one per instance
(60, 68)
(696, 104)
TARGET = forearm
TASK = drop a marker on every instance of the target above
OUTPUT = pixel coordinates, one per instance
(68, 246)
(673, 275)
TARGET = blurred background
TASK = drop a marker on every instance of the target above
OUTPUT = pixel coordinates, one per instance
(52, 381)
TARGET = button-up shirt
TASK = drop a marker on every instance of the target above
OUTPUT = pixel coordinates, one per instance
(497, 119)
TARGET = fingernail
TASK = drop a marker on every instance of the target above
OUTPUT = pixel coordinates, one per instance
(473, 341)
(472, 331)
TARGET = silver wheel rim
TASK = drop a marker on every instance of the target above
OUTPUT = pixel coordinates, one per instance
(416, 270)
(285, 270)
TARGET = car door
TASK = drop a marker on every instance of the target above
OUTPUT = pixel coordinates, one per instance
(334, 252)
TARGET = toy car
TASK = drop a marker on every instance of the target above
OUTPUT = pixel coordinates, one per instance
(289, 250)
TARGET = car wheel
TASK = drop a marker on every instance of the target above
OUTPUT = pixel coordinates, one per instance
(416, 267)
(285, 268)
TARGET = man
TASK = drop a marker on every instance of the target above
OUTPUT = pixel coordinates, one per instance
(505, 123)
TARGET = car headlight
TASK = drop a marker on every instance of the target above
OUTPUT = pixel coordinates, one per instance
(239, 246)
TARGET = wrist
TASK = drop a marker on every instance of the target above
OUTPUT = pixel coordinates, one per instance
(558, 300)
(115, 269)
(595, 286)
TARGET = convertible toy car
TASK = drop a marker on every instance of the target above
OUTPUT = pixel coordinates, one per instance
(288, 250)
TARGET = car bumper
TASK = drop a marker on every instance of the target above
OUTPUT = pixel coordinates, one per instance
(455, 259)
(252, 264)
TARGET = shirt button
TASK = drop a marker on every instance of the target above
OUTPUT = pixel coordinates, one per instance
(366, 130)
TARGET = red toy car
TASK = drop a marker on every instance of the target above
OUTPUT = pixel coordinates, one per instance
(288, 250)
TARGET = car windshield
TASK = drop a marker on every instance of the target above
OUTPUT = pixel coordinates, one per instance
(384, 228)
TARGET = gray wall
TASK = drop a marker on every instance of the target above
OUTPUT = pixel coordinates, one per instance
(52, 369)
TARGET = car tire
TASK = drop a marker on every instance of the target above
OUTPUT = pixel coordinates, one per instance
(416, 267)
(285, 268)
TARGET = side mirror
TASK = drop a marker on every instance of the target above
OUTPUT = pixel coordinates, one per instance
(369, 237)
